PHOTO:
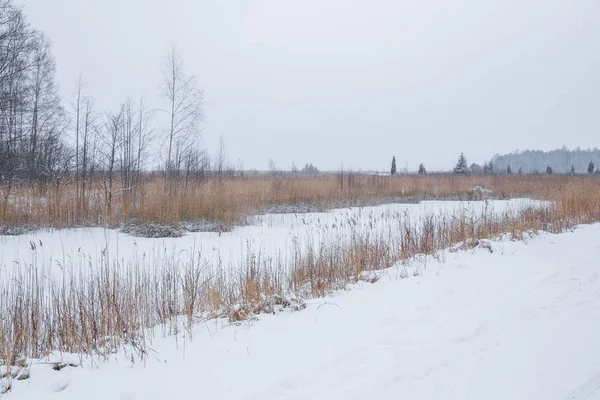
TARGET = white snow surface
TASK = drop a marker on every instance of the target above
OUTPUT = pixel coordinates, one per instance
(522, 322)
(272, 237)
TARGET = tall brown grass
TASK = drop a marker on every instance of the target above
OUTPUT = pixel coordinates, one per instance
(229, 199)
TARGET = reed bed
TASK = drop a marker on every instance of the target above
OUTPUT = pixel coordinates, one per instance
(229, 200)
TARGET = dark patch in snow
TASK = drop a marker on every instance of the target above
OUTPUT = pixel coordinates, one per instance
(14, 230)
(156, 230)
(59, 366)
(150, 230)
(472, 244)
(271, 305)
(203, 225)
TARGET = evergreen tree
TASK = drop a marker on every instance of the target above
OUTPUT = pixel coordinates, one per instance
(422, 170)
(461, 167)
(310, 169)
(509, 170)
(393, 171)
(475, 169)
(520, 170)
(549, 170)
(591, 167)
(488, 168)
(572, 173)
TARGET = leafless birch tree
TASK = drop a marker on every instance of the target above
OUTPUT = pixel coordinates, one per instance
(184, 108)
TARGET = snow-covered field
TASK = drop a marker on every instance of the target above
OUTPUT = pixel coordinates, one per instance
(519, 323)
(270, 237)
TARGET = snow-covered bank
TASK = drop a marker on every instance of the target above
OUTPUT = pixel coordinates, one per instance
(518, 323)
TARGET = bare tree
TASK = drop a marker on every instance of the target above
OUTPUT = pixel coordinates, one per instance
(197, 164)
(128, 154)
(111, 140)
(88, 144)
(136, 138)
(45, 110)
(16, 48)
(77, 106)
(221, 159)
(185, 100)
(144, 139)
(84, 127)
(31, 116)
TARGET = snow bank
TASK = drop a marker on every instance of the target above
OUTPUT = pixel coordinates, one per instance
(518, 322)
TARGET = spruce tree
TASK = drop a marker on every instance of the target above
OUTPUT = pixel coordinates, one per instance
(591, 167)
(461, 167)
(488, 168)
(520, 170)
(393, 171)
(422, 170)
(549, 170)
(509, 170)
(572, 173)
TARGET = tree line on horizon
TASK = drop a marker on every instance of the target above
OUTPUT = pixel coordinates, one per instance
(462, 167)
(561, 160)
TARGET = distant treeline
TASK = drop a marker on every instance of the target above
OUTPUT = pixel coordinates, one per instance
(537, 161)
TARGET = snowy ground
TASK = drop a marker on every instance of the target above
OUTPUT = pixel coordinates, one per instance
(522, 322)
(271, 236)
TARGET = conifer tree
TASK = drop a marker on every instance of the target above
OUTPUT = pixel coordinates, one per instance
(461, 167)
(488, 168)
(393, 171)
(475, 169)
(422, 170)
(509, 170)
(591, 167)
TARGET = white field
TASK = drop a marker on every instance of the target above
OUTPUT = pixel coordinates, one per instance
(273, 237)
(519, 323)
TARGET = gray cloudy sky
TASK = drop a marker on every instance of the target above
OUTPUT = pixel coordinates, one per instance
(343, 82)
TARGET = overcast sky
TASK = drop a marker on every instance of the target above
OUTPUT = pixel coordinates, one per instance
(349, 83)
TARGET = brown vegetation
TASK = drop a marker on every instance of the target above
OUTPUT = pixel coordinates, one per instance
(94, 311)
(229, 199)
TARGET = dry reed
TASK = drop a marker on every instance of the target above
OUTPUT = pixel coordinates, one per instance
(229, 199)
